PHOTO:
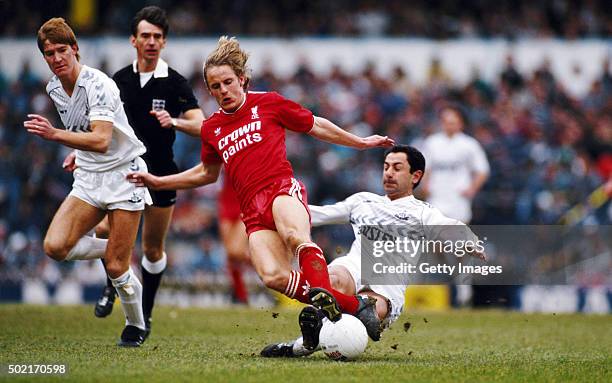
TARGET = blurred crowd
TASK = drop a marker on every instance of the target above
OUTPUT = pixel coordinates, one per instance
(439, 19)
(548, 151)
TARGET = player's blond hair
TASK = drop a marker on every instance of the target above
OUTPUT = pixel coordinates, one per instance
(228, 52)
(57, 31)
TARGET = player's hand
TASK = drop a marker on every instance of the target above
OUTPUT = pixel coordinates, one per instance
(144, 179)
(69, 163)
(480, 255)
(40, 126)
(164, 118)
(469, 193)
(376, 141)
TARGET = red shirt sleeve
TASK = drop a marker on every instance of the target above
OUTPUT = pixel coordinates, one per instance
(293, 116)
(208, 154)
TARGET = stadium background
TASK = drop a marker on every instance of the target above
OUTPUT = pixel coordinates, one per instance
(534, 80)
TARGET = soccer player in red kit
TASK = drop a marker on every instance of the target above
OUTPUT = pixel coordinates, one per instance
(234, 239)
(247, 135)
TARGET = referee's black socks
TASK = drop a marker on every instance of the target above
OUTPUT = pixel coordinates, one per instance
(152, 273)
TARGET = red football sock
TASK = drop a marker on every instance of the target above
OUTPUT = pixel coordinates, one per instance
(240, 290)
(298, 287)
(348, 303)
(313, 265)
(314, 269)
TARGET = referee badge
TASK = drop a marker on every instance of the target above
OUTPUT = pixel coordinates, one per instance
(158, 105)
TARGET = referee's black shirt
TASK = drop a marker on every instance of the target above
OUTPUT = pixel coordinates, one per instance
(138, 102)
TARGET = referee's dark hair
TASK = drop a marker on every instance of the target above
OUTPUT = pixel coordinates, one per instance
(416, 160)
(154, 15)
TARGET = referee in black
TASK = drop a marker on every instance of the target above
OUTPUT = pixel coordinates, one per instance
(158, 101)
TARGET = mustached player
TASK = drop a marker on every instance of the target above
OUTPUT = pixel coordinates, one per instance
(403, 169)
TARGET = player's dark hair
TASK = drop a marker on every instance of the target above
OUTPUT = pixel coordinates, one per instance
(416, 160)
(57, 31)
(154, 15)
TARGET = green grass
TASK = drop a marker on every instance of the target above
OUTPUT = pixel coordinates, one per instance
(223, 345)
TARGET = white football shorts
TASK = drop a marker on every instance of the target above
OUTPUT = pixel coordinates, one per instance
(110, 190)
(395, 294)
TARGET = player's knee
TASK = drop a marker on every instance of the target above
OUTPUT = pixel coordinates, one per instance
(153, 253)
(275, 280)
(102, 231)
(115, 268)
(336, 283)
(237, 251)
(55, 249)
(341, 280)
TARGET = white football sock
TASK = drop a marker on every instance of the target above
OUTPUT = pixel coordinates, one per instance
(129, 290)
(300, 350)
(155, 267)
(87, 248)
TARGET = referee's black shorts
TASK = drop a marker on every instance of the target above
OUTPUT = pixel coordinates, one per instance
(163, 198)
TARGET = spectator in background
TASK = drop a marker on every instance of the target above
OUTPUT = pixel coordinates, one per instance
(457, 167)
(510, 76)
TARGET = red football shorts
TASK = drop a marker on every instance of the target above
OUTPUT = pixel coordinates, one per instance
(257, 214)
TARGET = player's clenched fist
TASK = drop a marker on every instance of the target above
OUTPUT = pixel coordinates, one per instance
(69, 163)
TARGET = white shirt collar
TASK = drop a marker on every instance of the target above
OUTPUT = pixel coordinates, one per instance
(408, 197)
(161, 69)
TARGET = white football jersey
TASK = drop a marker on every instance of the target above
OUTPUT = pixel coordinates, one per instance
(374, 210)
(96, 98)
(451, 164)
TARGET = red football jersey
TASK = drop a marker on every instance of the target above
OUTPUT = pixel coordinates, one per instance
(251, 141)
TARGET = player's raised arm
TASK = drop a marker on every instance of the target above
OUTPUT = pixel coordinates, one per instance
(329, 214)
(98, 140)
(335, 214)
(327, 131)
(199, 175)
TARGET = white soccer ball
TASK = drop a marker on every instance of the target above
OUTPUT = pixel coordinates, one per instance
(343, 340)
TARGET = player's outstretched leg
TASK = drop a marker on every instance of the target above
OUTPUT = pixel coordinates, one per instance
(104, 305)
(366, 313)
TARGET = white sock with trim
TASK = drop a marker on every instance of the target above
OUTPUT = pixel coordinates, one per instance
(87, 248)
(155, 267)
(129, 290)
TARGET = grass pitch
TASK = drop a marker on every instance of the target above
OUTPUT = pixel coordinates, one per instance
(222, 345)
